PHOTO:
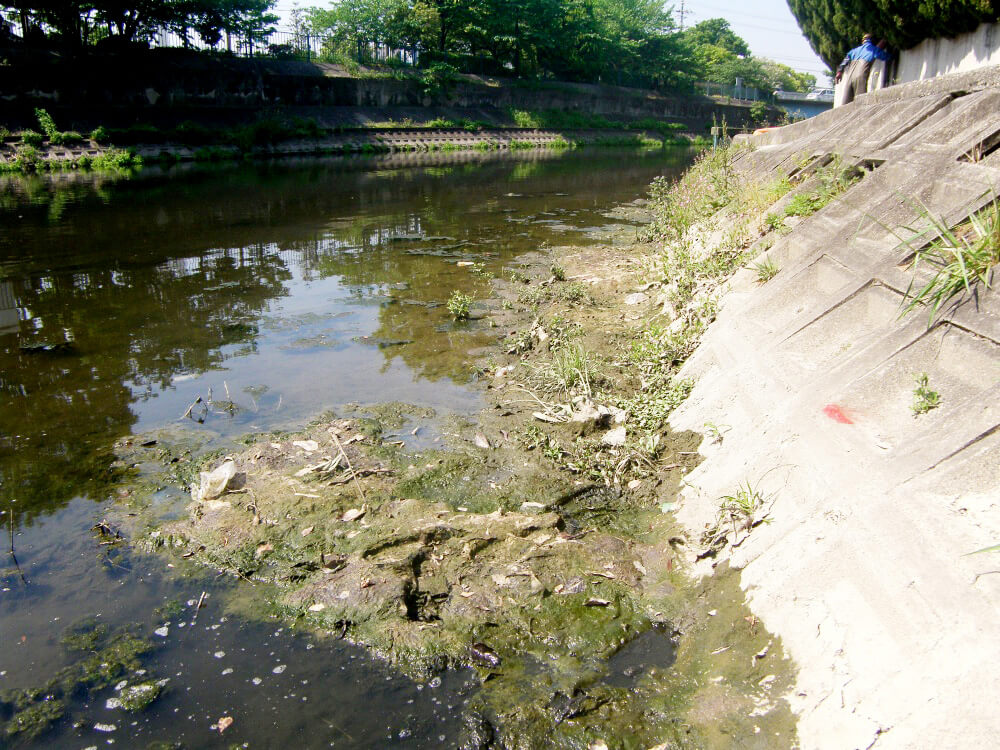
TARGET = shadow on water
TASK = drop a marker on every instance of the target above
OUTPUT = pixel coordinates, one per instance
(279, 290)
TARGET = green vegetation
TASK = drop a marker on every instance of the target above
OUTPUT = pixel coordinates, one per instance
(924, 399)
(961, 258)
(74, 24)
(835, 28)
(104, 658)
(766, 270)
(459, 305)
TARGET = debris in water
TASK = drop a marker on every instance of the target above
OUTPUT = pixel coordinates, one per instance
(280, 668)
(105, 727)
(224, 723)
(215, 482)
(163, 631)
(219, 654)
(484, 655)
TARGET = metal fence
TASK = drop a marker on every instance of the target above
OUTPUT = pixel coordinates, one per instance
(738, 92)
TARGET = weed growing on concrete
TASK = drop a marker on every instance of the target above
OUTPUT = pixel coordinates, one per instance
(834, 179)
(743, 510)
(766, 270)
(459, 305)
(716, 433)
(962, 258)
(924, 399)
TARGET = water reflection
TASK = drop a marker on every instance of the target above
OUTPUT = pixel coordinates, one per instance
(294, 286)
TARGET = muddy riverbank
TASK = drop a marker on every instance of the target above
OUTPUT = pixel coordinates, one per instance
(534, 544)
(529, 547)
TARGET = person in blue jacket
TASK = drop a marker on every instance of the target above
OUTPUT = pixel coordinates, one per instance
(856, 66)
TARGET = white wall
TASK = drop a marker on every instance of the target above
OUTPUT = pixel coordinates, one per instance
(936, 57)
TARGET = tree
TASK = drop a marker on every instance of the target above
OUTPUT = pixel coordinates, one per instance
(833, 28)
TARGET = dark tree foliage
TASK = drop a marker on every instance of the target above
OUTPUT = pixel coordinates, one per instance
(835, 26)
(76, 23)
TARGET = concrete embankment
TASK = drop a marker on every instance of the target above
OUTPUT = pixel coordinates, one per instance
(166, 87)
(864, 568)
(368, 141)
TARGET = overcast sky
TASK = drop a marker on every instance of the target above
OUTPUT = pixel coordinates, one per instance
(767, 25)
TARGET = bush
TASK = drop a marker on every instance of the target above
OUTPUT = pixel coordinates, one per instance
(31, 138)
(100, 134)
(439, 80)
(47, 124)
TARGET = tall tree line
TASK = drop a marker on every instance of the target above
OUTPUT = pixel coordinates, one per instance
(626, 42)
(76, 23)
(629, 42)
(835, 26)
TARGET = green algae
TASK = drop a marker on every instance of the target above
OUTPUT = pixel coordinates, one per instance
(432, 559)
(106, 657)
(35, 719)
(137, 697)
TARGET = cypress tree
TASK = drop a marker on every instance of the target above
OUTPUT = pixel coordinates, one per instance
(835, 26)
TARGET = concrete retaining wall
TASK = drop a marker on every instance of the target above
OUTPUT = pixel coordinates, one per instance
(169, 86)
(964, 53)
(865, 569)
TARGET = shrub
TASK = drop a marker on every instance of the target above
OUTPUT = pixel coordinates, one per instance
(100, 134)
(459, 305)
(31, 138)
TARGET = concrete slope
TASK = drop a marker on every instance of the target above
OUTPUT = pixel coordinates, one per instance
(863, 569)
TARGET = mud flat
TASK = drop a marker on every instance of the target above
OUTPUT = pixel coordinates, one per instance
(535, 544)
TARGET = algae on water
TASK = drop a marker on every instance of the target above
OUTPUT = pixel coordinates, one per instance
(468, 557)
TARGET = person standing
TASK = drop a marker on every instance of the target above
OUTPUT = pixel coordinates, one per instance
(856, 66)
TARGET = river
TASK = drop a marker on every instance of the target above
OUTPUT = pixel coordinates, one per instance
(281, 290)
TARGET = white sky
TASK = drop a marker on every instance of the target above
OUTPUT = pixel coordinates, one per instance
(767, 25)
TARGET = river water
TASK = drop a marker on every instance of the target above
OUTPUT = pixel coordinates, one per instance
(281, 288)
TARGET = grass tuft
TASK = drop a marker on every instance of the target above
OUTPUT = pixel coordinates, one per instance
(962, 258)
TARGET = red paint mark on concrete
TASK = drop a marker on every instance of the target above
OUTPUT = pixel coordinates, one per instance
(835, 413)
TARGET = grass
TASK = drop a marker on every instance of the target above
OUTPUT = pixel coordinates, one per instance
(961, 258)
(766, 270)
(740, 511)
(924, 399)
(459, 305)
(571, 371)
(558, 272)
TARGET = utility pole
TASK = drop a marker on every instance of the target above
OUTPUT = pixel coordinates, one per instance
(682, 14)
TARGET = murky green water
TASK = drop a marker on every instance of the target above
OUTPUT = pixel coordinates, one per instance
(285, 289)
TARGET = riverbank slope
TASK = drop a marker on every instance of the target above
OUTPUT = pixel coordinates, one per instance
(811, 383)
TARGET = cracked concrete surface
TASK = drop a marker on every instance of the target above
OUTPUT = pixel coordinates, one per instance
(864, 570)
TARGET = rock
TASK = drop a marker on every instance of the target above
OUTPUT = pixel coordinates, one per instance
(636, 298)
(615, 437)
(587, 416)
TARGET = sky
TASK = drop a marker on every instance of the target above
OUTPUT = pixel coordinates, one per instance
(768, 26)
